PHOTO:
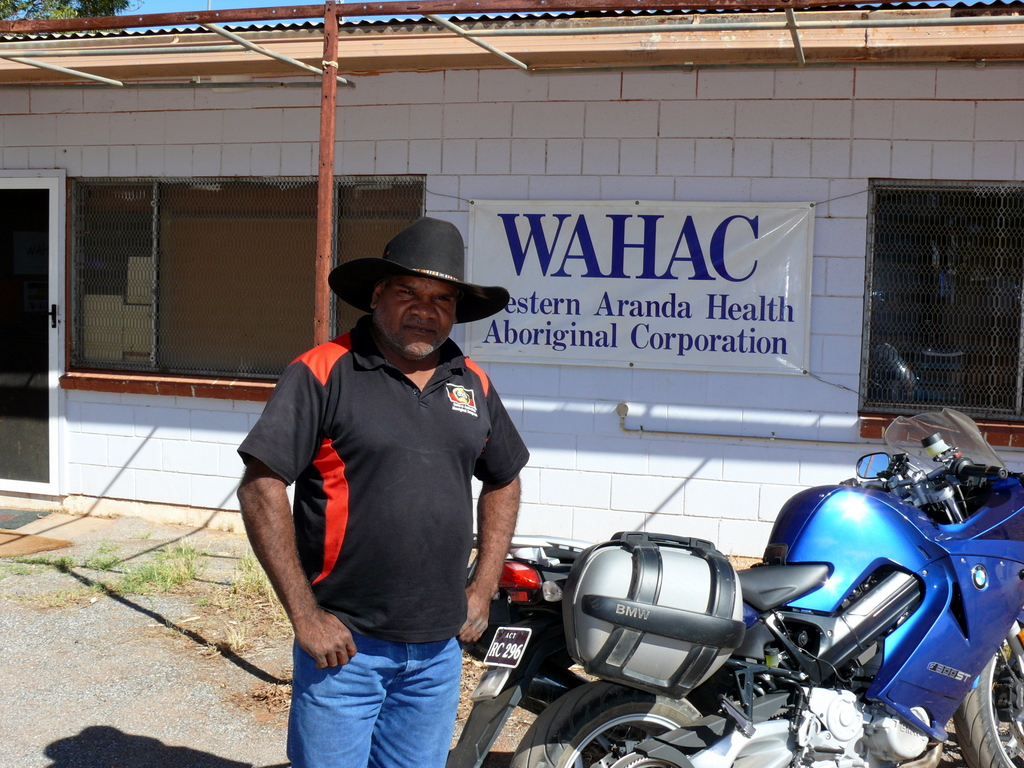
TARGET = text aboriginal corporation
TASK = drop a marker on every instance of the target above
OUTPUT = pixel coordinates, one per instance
(684, 279)
(775, 310)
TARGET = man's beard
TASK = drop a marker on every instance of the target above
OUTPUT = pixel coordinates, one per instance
(417, 350)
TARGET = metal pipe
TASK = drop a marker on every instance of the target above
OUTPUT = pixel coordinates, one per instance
(486, 46)
(279, 56)
(162, 51)
(795, 34)
(156, 86)
(622, 410)
(325, 178)
(930, 759)
(62, 70)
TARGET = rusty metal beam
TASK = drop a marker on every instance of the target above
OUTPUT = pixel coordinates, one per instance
(472, 38)
(325, 178)
(403, 8)
(249, 45)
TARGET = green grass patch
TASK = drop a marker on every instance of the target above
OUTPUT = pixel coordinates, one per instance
(251, 580)
(62, 598)
(252, 589)
(105, 558)
(15, 569)
(62, 563)
(169, 569)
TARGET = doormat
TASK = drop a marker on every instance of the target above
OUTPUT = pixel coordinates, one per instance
(15, 518)
(21, 544)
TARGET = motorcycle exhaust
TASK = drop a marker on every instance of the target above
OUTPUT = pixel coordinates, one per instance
(930, 759)
(862, 623)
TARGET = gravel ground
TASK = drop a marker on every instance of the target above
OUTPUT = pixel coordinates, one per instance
(97, 685)
(95, 679)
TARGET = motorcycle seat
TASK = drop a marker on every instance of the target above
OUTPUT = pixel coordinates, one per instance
(768, 586)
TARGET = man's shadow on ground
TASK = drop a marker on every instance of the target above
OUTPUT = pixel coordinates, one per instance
(101, 746)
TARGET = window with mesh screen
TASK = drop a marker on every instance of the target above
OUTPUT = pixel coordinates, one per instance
(943, 298)
(210, 276)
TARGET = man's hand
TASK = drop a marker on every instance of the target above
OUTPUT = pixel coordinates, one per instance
(322, 635)
(496, 520)
(268, 524)
(477, 615)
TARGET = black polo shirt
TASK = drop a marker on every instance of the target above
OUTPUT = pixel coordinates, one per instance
(383, 502)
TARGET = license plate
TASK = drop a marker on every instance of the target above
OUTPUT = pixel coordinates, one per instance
(508, 646)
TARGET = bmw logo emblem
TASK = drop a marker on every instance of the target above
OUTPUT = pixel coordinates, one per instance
(979, 576)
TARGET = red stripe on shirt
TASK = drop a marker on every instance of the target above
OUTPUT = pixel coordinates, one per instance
(321, 359)
(332, 469)
(484, 381)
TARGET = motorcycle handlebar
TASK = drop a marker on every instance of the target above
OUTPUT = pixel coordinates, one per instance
(965, 468)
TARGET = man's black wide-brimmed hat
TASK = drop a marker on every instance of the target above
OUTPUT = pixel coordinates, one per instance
(426, 248)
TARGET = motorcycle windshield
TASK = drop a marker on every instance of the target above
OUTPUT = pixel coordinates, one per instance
(904, 435)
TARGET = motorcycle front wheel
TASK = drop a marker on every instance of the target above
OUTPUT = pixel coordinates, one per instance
(596, 724)
(990, 721)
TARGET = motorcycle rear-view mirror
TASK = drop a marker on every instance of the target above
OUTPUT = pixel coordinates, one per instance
(871, 466)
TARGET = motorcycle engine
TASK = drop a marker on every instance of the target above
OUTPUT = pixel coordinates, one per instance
(892, 739)
(837, 729)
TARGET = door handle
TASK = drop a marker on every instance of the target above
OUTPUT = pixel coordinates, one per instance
(53, 315)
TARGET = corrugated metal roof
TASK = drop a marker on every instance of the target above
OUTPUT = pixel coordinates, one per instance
(207, 48)
(964, 7)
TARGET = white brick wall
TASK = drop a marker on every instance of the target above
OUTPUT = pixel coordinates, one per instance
(160, 449)
(912, 159)
(992, 159)
(791, 135)
(832, 120)
(872, 119)
(693, 118)
(575, 87)
(992, 82)
(737, 85)
(832, 84)
(787, 118)
(547, 120)
(885, 83)
(935, 120)
(955, 160)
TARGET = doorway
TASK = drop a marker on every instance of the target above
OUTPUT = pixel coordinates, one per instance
(28, 333)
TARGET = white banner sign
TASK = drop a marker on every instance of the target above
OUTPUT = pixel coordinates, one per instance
(704, 286)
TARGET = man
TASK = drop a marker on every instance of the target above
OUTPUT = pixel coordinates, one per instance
(381, 430)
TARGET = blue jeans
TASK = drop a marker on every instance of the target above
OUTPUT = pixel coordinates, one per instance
(392, 706)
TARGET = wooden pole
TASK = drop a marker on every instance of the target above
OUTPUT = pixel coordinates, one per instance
(325, 179)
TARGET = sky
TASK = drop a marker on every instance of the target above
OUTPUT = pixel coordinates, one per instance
(177, 6)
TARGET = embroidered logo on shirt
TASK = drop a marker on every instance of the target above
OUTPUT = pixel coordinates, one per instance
(462, 399)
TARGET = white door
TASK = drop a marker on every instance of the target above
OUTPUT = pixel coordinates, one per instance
(31, 329)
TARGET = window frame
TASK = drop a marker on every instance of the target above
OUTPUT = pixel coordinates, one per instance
(877, 413)
(225, 385)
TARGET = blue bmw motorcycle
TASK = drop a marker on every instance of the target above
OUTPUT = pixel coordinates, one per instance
(884, 607)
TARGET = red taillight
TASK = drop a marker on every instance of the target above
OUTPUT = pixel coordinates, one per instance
(518, 576)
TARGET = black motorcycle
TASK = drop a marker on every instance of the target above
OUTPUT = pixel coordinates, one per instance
(524, 647)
